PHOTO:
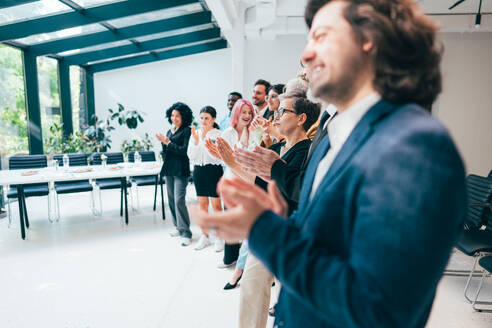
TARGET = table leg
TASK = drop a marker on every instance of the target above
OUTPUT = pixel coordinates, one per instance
(155, 191)
(123, 181)
(26, 218)
(162, 199)
(121, 199)
(20, 196)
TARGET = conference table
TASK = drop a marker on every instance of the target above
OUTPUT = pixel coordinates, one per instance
(50, 175)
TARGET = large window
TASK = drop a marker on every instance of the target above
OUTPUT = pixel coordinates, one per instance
(49, 98)
(13, 122)
(79, 112)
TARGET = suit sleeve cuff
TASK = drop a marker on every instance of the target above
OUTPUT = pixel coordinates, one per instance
(262, 235)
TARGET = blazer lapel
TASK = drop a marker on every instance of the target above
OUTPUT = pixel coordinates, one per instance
(356, 139)
(307, 183)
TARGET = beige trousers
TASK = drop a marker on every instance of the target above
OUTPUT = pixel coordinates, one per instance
(254, 300)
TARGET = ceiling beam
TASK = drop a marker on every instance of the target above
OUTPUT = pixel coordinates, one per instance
(167, 42)
(124, 33)
(93, 15)
(12, 3)
(157, 56)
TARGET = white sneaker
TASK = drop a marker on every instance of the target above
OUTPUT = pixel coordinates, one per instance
(218, 245)
(222, 265)
(174, 233)
(185, 241)
(202, 243)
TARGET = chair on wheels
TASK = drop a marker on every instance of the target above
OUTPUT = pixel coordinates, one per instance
(110, 183)
(69, 187)
(147, 180)
(486, 263)
(30, 190)
(475, 241)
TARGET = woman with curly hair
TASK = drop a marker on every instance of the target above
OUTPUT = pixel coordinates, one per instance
(176, 167)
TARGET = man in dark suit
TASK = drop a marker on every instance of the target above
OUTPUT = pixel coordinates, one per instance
(383, 197)
(259, 98)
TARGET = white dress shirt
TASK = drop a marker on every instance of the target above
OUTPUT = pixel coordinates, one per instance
(339, 129)
(261, 112)
(199, 154)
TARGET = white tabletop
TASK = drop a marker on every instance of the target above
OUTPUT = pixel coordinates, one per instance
(51, 174)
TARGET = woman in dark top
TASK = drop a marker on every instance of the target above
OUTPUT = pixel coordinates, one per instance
(176, 167)
(294, 117)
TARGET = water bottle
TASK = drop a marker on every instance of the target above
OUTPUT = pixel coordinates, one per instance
(66, 162)
(137, 157)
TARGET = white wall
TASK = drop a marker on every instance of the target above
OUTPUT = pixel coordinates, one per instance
(465, 106)
(197, 80)
(276, 61)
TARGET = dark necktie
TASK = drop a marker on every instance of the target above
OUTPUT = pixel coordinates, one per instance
(320, 133)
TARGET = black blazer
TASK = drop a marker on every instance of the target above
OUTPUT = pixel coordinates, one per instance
(286, 171)
(268, 113)
(176, 161)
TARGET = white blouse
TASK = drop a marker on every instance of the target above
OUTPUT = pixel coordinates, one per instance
(199, 154)
(231, 136)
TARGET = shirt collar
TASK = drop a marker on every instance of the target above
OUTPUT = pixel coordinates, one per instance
(261, 112)
(331, 109)
(342, 124)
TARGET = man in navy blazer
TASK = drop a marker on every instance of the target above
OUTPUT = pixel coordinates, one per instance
(383, 197)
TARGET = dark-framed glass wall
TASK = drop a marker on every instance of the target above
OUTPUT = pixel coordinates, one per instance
(20, 133)
(13, 110)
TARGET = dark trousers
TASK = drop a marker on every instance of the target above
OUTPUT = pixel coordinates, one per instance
(176, 195)
(231, 253)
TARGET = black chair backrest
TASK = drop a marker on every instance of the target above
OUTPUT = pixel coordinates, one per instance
(27, 162)
(73, 159)
(147, 156)
(479, 192)
(112, 158)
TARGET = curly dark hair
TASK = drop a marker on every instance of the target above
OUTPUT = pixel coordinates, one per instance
(184, 110)
(406, 52)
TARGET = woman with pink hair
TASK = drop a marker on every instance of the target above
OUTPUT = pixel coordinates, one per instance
(237, 135)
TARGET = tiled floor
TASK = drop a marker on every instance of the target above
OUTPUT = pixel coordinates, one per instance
(87, 271)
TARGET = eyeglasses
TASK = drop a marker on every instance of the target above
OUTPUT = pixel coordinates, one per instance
(281, 111)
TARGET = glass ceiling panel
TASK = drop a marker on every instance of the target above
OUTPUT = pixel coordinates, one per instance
(32, 10)
(61, 34)
(156, 15)
(158, 50)
(174, 32)
(119, 57)
(95, 48)
(95, 3)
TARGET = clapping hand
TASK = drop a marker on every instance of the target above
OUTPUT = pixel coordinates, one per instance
(245, 202)
(194, 133)
(212, 149)
(258, 122)
(226, 152)
(162, 138)
(258, 162)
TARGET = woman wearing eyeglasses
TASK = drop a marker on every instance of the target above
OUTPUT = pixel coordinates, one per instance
(294, 117)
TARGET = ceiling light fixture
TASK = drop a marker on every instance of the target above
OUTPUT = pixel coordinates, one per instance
(478, 18)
